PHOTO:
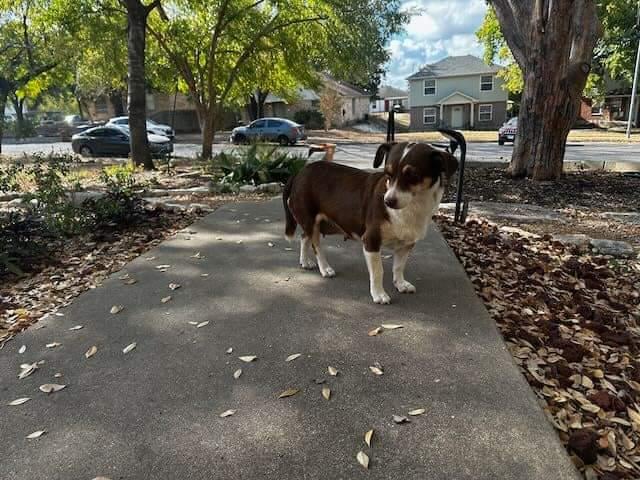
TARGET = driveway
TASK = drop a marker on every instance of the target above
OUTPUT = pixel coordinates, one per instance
(361, 155)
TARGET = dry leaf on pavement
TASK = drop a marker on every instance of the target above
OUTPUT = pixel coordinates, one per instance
(400, 419)
(51, 387)
(332, 371)
(166, 299)
(289, 393)
(326, 392)
(174, 286)
(202, 324)
(248, 358)
(391, 326)
(237, 373)
(363, 459)
(291, 358)
(77, 327)
(417, 411)
(129, 347)
(18, 401)
(376, 331)
(36, 434)
(116, 309)
(367, 437)
(227, 413)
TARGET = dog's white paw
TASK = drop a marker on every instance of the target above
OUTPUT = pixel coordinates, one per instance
(404, 287)
(327, 272)
(381, 298)
(308, 264)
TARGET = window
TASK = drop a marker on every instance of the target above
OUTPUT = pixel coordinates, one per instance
(485, 113)
(486, 83)
(429, 116)
(430, 87)
(596, 110)
(258, 124)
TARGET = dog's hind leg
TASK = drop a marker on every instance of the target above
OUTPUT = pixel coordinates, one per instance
(306, 253)
(400, 257)
(325, 269)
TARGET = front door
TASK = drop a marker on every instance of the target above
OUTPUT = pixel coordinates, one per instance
(456, 116)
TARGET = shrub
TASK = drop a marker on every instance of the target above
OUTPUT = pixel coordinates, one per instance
(311, 119)
(255, 165)
(23, 241)
(121, 202)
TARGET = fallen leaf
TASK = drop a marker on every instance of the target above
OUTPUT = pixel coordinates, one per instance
(51, 387)
(230, 350)
(417, 411)
(123, 277)
(227, 413)
(204, 275)
(391, 326)
(27, 369)
(400, 419)
(326, 392)
(239, 242)
(77, 327)
(18, 401)
(237, 373)
(376, 331)
(129, 347)
(23, 349)
(291, 358)
(248, 358)
(271, 244)
(363, 459)
(101, 478)
(376, 370)
(288, 393)
(367, 437)
(202, 324)
(116, 309)
(193, 323)
(58, 375)
(53, 345)
(91, 352)
(163, 267)
(130, 281)
(36, 434)
(197, 255)
(166, 299)
(174, 286)
(333, 371)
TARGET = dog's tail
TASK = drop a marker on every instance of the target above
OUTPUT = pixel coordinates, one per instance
(291, 224)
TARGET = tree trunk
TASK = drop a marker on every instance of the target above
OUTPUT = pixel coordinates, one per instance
(256, 104)
(208, 133)
(115, 97)
(553, 44)
(3, 104)
(136, 43)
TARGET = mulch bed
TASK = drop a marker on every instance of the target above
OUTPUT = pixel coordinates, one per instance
(571, 321)
(598, 191)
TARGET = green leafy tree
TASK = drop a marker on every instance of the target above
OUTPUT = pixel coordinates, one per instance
(221, 47)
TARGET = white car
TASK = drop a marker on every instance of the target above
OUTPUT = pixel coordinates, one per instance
(508, 131)
(152, 127)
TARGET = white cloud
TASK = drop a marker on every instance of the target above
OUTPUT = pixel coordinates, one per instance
(439, 29)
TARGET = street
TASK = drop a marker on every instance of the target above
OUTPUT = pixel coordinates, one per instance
(361, 155)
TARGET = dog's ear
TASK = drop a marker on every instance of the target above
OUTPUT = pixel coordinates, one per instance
(383, 154)
(449, 164)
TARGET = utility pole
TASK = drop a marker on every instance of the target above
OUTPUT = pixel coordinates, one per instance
(634, 90)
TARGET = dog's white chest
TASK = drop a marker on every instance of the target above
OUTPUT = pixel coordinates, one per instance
(410, 224)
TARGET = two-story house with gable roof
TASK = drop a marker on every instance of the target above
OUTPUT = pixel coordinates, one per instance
(458, 92)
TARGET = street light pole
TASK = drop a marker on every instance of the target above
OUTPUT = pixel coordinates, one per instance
(634, 90)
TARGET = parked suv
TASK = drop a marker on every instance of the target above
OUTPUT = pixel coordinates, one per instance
(280, 130)
(507, 132)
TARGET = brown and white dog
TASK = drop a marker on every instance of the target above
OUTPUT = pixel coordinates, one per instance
(391, 208)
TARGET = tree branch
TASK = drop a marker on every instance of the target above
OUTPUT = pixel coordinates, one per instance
(511, 29)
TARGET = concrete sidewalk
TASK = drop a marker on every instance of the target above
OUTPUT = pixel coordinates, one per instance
(154, 413)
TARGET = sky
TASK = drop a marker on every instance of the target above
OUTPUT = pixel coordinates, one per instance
(441, 28)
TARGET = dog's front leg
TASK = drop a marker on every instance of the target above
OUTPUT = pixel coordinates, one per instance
(376, 273)
(400, 257)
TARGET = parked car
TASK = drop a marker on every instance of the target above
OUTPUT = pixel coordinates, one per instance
(112, 140)
(280, 130)
(507, 132)
(152, 127)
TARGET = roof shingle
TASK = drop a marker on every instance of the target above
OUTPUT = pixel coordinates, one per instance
(455, 66)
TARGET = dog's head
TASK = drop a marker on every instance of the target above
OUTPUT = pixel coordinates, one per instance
(412, 169)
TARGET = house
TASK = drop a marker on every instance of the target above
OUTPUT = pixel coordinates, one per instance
(457, 92)
(306, 99)
(613, 110)
(389, 97)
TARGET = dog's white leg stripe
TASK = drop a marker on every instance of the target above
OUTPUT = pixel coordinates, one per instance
(400, 257)
(306, 254)
(376, 273)
(323, 264)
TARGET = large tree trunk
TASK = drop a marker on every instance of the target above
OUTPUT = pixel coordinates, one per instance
(208, 134)
(3, 104)
(552, 42)
(136, 38)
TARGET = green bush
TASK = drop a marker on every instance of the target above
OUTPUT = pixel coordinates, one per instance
(256, 165)
(121, 202)
(311, 119)
(24, 240)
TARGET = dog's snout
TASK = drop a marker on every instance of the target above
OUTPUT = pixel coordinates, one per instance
(391, 202)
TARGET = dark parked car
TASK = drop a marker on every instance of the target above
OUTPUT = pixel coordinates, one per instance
(507, 132)
(114, 141)
(280, 130)
(152, 127)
